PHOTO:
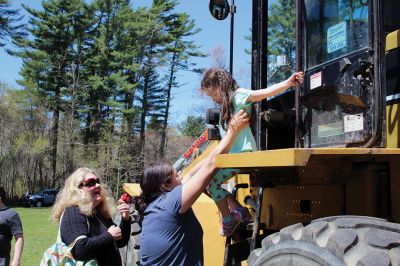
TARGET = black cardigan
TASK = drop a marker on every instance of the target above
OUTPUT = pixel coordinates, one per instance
(99, 243)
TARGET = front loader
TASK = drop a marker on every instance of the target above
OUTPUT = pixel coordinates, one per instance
(331, 196)
(324, 185)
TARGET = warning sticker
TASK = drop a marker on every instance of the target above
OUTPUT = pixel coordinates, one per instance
(336, 37)
(315, 80)
(353, 123)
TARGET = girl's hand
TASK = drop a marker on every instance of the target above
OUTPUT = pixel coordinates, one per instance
(124, 210)
(297, 77)
(240, 120)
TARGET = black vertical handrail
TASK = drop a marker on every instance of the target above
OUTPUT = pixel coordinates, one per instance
(232, 11)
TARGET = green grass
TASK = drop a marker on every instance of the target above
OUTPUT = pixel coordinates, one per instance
(40, 232)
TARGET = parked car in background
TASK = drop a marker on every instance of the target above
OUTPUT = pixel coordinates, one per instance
(45, 197)
(24, 199)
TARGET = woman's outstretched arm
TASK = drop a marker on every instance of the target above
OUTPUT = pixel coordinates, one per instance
(192, 189)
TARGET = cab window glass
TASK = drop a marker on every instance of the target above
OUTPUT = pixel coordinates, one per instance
(334, 28)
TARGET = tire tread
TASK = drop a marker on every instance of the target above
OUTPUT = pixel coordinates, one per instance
(353, 240)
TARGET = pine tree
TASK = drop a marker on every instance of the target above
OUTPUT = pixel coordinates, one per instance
(102, 89)
(135, 27)
(193, 126)
(47, 59)
(179, 51)
(152, 103)
(152, 57)
(9, 23)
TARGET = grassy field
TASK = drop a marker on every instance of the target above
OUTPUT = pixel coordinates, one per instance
(40, 232)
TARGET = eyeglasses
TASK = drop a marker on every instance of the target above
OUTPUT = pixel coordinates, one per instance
(91, 182)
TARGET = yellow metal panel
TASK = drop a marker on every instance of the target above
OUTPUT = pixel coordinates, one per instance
(282, 204)
(353, 151)
(214, 245)
(393, 40)
(284, 157)
(293, 157)
(392, 125)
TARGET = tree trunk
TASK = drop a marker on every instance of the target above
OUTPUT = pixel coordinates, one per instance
(163, 142)
(54, 141)
(143, 115)
(129, 119)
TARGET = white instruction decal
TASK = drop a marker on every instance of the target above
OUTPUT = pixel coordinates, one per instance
(353, 123)
(315, 80)
(336, 37)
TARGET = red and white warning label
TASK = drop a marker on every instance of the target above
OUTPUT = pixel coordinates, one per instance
(315, 80)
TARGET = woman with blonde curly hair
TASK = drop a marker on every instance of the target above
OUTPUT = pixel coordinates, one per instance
(83, 208)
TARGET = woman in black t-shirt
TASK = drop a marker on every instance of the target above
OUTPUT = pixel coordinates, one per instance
(10, 225)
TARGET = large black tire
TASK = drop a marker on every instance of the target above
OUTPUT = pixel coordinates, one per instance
(339, 240)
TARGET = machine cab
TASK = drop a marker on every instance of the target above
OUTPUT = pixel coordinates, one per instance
(341, 47)
(349, 52)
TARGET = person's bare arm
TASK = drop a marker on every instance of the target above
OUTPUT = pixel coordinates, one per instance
(192, 171)
(18, 247)
(192, 189)
(258, 95)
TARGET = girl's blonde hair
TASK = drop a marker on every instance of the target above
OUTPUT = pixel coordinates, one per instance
(222, 82)
(73, 195)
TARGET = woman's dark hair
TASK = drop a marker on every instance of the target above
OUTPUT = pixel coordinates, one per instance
(153, 177)
(3, 194)
(220, 80)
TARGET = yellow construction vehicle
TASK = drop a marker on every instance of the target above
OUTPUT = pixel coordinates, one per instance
(331, 195)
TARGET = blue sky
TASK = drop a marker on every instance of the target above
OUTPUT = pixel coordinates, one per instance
(214, 34)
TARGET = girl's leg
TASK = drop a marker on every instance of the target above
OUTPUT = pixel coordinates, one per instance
(223, 207)
(235, 206)
(218, 194)
(230, 221)
(232, 202)
(227, 204)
